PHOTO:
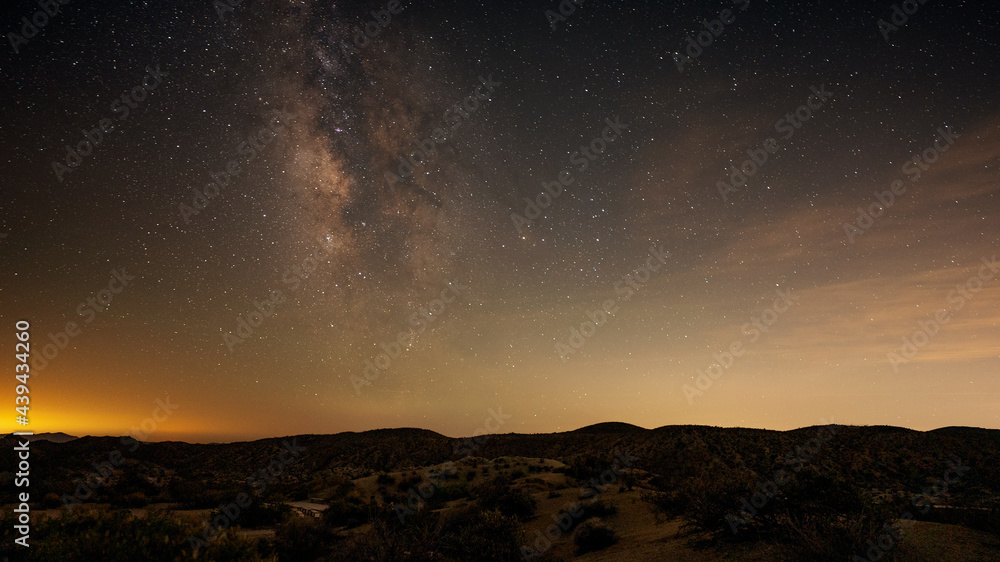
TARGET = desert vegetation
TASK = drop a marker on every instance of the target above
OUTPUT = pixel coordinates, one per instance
(693, 493)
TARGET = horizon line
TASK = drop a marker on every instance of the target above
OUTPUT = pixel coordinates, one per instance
(215, 442)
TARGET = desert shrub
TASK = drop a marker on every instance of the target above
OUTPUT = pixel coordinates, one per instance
(587, 466)
(833, 536)
(517, 474)
(85, 534)
(328, 478)
(821, 514)
(628, 479)
(388, 538)
(301, 539)
(554, 494)
(410, 481)
(816, 512)
(231, 547)
(466, 533)
(497, 494)
(194, 495)
(706, 499)
(453, 491)
(470, 475)
(385, 480)
(389, 497)
(341, 486)
(593, 534)
(350, 511)
(490, 536)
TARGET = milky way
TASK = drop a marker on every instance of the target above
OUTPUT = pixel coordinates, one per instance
(299, 192)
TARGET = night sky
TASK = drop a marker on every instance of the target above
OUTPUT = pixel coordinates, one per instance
(280, 225)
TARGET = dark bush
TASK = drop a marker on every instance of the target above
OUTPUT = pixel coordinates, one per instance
(301, 539)
(409, 482)
(499, 495)
(230, 546)
(194, 495)
(705, 500)
(489, 536)
(347, 512)
(85, 534)
(453, 491)
(593, 534)
(815, 513)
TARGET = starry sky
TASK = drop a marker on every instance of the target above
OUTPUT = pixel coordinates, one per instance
(281, 225)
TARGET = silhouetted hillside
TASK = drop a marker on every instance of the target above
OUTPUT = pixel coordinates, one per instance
(885, 458)
(611, 427)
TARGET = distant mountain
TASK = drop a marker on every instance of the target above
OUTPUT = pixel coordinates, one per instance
(58, 437)
(610, 427)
